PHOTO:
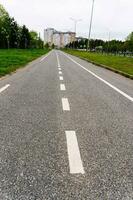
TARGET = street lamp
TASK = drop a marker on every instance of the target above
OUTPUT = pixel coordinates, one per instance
(89, 36)
(75, 25)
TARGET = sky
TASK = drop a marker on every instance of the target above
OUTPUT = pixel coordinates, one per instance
(112, 18)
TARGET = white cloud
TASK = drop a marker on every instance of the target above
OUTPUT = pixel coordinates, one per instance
(109, 15)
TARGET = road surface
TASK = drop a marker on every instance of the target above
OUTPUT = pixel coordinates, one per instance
(66, 132)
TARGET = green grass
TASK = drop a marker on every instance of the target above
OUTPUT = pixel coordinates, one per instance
(12, 59)
(118, 63)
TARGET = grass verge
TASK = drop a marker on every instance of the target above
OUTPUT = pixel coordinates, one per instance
(12, 59)
(121, 65)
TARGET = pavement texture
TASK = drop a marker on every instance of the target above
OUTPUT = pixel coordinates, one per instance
(34, 161)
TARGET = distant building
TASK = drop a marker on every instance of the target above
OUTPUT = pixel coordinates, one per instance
(56, 39)
(48, 36)
(59, 39)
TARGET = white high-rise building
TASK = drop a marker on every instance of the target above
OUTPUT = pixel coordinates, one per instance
(67, 39)
(59, 39)
(48, 36)
(56, 39)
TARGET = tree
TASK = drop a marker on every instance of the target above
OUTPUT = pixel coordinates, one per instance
(4, 36)
(130, 37)
(34, 35)
(47, 45)
(14, 34)
(33, 39)
(24, 38)
(53, 46)
(3, 13)
(8, 30)
(40, 42)
(129, 42)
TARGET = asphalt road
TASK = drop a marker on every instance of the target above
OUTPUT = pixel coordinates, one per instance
(66, 132)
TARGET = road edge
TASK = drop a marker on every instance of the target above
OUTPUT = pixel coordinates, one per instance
(105, 67)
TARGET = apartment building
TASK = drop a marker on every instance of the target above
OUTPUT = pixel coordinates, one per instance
(58, 38)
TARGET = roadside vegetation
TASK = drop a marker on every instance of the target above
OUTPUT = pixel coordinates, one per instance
(118, 63)
(12, 59)
(18, 45)
(114, 47)
(12, 35)
(113, 54)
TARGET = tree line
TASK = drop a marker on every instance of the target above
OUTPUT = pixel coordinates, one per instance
(14, 36)
(113, 46)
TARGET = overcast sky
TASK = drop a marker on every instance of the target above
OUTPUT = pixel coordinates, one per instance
(114, 16)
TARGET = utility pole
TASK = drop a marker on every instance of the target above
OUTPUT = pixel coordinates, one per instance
(89, 36)
(75, 24)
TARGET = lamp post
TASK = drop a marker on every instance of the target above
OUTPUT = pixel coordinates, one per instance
(75, 25)
(89, 36)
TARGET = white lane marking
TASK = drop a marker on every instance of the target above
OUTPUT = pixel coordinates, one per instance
(4, 88)
(65, 104)
(45, 57)
(61, 78)
(62, 87)
(59, 69)
(75, 162)
(60, 72)
(98, 77)
(58, 61)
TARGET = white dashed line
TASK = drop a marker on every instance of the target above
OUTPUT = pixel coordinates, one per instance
(61, 78)
(98, 77)
(4, 88)
(65, 104)
(58, 62)
(75, 162)
(62, 87)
